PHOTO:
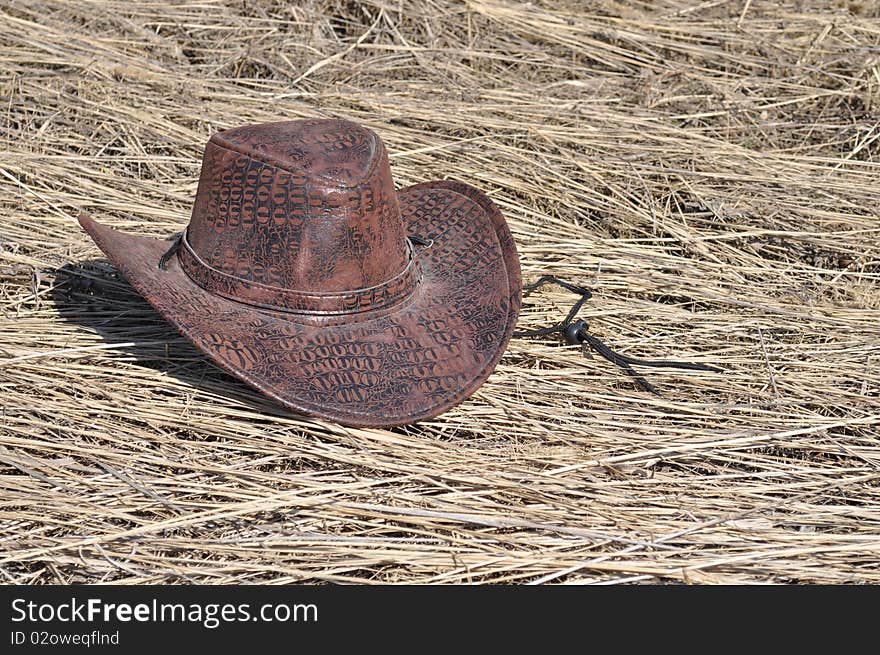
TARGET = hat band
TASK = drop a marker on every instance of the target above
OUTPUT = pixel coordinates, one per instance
(393, 291)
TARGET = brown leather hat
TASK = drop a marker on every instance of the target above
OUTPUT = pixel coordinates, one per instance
(303, 273)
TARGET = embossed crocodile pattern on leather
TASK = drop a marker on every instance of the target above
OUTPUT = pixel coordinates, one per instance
(387, 294)
(373, 365)
(306, 205)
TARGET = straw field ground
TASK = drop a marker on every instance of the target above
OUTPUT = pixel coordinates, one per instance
(709, 168)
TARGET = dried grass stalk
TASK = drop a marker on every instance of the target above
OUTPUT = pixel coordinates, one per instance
(710, 169)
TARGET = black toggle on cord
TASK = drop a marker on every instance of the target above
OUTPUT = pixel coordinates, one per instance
(577, 332)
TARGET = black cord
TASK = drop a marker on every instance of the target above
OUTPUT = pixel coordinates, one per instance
(420, 241)
(577, 332)
(164, 259)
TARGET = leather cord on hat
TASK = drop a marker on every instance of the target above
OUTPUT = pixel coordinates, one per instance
(577, 332)
(177, 238)
(420, 241)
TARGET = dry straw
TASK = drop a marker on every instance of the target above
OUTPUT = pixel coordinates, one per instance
(708, 168)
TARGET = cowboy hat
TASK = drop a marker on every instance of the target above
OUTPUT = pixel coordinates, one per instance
(306, 275)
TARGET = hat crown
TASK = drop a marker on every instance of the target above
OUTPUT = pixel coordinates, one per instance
(303, 205)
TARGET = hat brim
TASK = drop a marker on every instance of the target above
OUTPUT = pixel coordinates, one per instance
(425, 356)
